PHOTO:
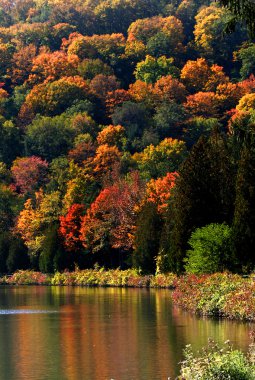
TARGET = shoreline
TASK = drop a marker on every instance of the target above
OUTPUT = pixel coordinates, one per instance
(219, 295)
(91, 278)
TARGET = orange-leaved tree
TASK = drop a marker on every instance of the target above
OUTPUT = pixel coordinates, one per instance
(204, 104)
(52, 98)
(200, 76)
(53, 66)
(105, 159)
(159, 191)
(111, 135)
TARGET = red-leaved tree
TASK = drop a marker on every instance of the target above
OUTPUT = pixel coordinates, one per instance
(112, 216)
(29, 174)
(70, 225)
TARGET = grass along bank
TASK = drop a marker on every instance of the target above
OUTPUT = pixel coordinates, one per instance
(91, 277)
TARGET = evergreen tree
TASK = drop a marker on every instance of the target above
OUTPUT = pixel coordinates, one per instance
(244, 216)
(165, 239)
(147, 238)
(203, 194)
(18, 255)
(4, 249)
(53, 256)
(243, 10)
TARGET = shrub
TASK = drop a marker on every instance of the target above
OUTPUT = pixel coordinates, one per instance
(210, 251)
(161, 280)
(28, 277)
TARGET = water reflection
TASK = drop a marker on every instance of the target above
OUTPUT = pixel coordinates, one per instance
(99, 334)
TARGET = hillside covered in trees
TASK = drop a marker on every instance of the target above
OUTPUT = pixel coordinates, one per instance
(126, 136)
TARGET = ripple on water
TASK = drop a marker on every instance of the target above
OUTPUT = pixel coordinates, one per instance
(25, 311)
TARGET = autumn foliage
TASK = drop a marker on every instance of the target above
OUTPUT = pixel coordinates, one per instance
(29, 173)
(112, 216)
(70, 227)
(117, 118)
(159, 191)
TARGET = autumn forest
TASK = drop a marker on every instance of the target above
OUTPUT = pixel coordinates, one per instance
(127, 136)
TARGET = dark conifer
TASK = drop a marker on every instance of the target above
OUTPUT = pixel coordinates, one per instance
(147, 238)
(18, 255)
(4, 249)
(244, 216)
(53, 256)
(204, 193)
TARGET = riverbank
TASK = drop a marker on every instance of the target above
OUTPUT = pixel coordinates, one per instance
(220, 295)
(91, 277)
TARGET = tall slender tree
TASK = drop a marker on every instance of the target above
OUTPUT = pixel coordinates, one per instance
(147, 238)
(244, 216)
(203, 194)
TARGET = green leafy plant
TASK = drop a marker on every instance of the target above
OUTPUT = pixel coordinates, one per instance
(217, 363)
(210, 249)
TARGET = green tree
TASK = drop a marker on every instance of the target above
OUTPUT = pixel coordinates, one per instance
(246, 54)
(152, 69)
(60, 173)
(9, 207)
(134, 117)
(166, 157)
(53, 256)
(159, 45)
(89, 68)
(5, 174)
(197, 126)
(6, 53)
(116, 16)
(169, 118)
(49, 137)
(210, 250)
(147, 238)
(17, 256)
(10, 141)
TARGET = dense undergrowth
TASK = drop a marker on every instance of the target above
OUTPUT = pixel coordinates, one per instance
(224, 295)
(91, 277)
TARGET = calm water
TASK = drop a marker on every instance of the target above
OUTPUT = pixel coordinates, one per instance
(52, 333)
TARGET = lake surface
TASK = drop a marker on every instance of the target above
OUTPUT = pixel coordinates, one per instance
(60, 333)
